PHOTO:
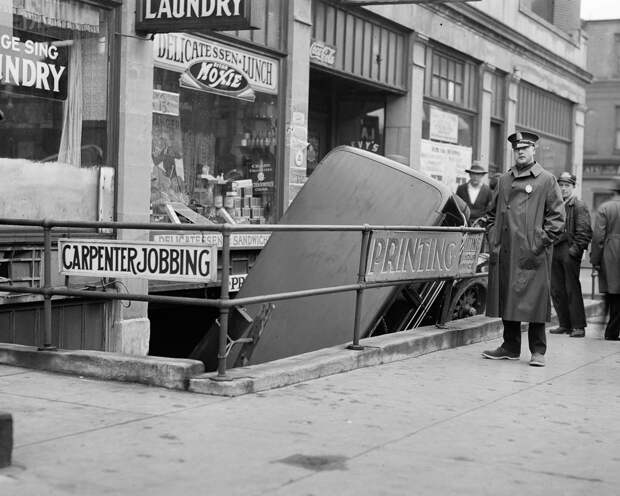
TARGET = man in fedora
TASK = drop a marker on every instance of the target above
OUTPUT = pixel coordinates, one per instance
(605, 257)
(475, 193)
(567, 252)
(525, 219)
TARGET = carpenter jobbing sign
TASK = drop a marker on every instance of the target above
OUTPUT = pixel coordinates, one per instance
(403, 255)
(137, 260)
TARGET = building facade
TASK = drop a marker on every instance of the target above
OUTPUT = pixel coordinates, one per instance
(601, 160)
(226, 126)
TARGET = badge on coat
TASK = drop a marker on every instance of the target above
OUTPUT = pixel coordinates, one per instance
(528, 189)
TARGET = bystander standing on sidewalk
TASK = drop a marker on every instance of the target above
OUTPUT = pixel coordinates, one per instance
(525, 220)
(605, 258)
(568, 250)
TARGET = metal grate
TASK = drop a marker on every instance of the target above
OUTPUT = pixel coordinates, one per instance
(21, 265)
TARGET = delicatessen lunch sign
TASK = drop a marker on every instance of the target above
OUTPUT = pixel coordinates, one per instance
(196, 263)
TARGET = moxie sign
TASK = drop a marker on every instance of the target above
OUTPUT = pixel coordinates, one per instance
(217, 77)
(169, 16)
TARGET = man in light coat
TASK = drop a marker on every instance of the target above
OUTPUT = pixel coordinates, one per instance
(605, 257)
(526, 218)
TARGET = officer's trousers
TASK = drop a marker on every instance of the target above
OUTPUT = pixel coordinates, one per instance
(566, 289)
(536, 337)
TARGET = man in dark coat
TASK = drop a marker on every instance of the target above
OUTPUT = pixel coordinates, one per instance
(525, 220)
(476, 194)
(568, 249)
(605, 258)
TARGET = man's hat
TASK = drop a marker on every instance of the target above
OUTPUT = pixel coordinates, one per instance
(615, 184)
(522, 139)
(476, 168)
(567, 177)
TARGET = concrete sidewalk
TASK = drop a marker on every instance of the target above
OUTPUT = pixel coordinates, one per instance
(446, 423)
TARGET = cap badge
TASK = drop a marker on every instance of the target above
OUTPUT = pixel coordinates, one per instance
(528, 189)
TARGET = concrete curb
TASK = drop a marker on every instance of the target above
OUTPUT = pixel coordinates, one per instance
(377, 350)
(189, 374)
(155, 371)
(6, 439)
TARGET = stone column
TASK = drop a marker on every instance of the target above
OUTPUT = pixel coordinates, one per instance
(578, 143)
(484, 115)
(512, 92)
(417, 73)
(130, 327)
(402, 128)
(297, 83)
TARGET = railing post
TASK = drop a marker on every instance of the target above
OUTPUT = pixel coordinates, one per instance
(47, 286)
(359, 293)
(224, 311)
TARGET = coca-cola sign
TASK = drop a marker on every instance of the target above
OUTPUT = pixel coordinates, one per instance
(217, 77)
(322, 53)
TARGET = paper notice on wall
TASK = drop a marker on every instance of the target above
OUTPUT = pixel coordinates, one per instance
(444, 162)
(444, 126)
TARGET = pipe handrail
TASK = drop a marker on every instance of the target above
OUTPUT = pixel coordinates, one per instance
(224, 303)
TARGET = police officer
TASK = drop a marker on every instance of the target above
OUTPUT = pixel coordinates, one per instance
(567, 252)
(527, 217)
(605, 257)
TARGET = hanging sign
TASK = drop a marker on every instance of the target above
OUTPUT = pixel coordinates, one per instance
(217, 77)
(86, 257)
(177, 52)
(169, 16)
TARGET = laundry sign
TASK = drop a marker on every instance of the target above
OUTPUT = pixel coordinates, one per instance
(169, 16)
(33, 67)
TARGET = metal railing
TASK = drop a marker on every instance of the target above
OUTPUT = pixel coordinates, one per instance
(223, 303)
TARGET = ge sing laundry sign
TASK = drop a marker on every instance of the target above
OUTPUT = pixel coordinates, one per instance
(170, 16)
(137, 260)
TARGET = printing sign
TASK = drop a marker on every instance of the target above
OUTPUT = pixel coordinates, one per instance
(217, 77)
(86, 257)
(34, 68)
(169, 16)
(406, 255)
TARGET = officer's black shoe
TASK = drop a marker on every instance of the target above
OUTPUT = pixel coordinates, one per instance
(500, 354)
(560, 330)
(578, 333)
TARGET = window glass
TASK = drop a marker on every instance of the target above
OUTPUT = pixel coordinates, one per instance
(214, 156)
(53, 95)
(553, 155)
(465, 126)
(496, 147)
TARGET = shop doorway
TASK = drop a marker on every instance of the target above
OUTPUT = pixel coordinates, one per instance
(343, 112)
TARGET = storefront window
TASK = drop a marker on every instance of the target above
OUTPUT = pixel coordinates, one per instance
(214, 150)
(361, 123)
(53, 96)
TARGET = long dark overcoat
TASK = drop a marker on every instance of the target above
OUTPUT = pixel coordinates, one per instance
(605, 250)
(528, 215)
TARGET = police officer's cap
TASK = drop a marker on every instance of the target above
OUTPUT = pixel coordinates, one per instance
(522, 139)
(568, 178)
